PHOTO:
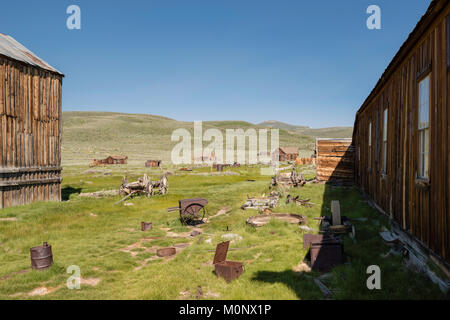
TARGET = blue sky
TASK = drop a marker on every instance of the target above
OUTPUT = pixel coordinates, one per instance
(302, 62)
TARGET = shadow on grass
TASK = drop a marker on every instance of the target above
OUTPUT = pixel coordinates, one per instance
(303, 288)
(66, 192)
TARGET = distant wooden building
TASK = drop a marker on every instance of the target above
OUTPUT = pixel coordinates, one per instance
(402, 135)
(110, 160)
(30, 126)
(153, 163)
(287, 153)
(335, 160)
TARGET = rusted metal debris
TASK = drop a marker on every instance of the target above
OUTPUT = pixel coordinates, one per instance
(262, 219)
(143, 186)
(325, 251)
(146, 226)
(229, 270)
(298, 201)
(192, 211)
(41, 256)
(289, 179)
(261, 203)
(166, 252)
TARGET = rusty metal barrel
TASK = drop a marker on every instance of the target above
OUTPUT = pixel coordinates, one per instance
(41, 256)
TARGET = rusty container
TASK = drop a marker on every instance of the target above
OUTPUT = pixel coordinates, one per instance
(326, 255)
(41, 256)
(146, 226)
(325, 251)
(229, 270)
(166, 252)
(220, 167)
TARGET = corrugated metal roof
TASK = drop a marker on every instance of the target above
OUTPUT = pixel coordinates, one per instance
(11, 48)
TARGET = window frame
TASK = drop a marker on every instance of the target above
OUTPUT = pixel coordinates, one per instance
(385, 140)
(369, 166)
(423, 133)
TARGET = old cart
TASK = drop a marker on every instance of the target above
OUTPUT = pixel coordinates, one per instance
(288, 179)
(192, 211)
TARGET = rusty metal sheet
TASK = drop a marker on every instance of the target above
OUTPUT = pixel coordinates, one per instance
(9, 47)
(221, 252)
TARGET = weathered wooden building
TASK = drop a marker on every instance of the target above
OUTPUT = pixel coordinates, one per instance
(287, 153)
(110, 160)
(30, 126)
(153, 163)
(335, 160)
(402, 135)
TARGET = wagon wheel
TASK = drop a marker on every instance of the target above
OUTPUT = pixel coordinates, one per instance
(192, 213)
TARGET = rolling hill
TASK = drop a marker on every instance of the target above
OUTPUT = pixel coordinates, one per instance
(89, 135)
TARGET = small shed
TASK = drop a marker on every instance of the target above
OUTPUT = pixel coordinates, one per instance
(30, 126)
(287, 153)
(153, 163)
(335, 160)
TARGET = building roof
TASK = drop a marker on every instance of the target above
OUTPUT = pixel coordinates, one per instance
(119, 157)
(10, 48)
(289, 150)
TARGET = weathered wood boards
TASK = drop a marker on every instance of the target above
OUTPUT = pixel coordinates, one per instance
(30, 133)
(335, 160)
(419, 206)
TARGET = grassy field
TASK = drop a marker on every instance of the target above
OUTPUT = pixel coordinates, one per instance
(89, 135)
(117, 260)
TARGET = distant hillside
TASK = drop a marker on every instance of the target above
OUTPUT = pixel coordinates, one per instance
(89, 135)
(332, 132)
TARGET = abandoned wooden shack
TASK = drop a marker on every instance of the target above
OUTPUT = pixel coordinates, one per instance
(287, 153)
(335, 160)
(153, 163)
(30, 127)
(110, 160)
(402, 134)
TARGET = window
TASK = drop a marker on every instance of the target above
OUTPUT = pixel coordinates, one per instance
(385, 132)
(370, 145)
(424, 123)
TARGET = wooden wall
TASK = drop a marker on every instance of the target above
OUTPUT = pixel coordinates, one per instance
(335, 160)
(30, 134)
(422, 209)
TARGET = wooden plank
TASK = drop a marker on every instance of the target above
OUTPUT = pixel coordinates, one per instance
(336, 213)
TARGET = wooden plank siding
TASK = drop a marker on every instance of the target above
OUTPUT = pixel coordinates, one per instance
(30, 128)
(335, 160)
(422, 209)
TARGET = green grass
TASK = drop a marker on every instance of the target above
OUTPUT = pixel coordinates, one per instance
(92, 234)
